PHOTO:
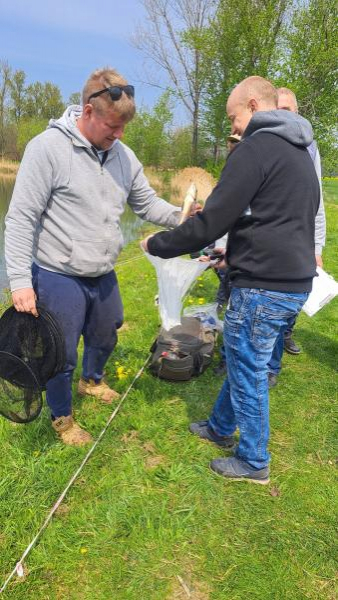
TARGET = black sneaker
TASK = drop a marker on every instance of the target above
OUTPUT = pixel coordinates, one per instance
(236, 469)
(290, 346)
(272, 380)
(221, 368)
(202, 429)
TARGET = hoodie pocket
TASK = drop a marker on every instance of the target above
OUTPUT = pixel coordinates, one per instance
(90, 257)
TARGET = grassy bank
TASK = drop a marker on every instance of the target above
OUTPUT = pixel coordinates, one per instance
(147, 519)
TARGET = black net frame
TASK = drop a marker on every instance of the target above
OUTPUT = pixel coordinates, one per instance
(32, 351)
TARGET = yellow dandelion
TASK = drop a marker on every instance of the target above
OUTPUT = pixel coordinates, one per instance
(201, 300)
(83, 550)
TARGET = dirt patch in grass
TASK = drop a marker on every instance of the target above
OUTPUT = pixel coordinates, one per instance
(203, 180)
(154, 461)
(130, 436)
(63, 510)
(125, 327)
(183, 589)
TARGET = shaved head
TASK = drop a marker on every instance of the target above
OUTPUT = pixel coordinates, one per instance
(257, 88)
(251, 95)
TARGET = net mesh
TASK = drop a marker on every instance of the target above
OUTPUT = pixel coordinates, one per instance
(32, 351)
(20, 394)
(37, 341)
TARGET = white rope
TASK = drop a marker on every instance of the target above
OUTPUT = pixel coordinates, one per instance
(18, 569)
(124, 262)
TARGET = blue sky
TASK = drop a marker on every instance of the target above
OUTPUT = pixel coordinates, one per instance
(64, 40)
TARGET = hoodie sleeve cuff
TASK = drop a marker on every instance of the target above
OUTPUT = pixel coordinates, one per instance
(19, 284)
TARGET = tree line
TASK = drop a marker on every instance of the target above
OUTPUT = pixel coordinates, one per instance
(203, 48)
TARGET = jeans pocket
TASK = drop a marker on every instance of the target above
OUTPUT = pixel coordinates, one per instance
(266, 326)
(237, 298)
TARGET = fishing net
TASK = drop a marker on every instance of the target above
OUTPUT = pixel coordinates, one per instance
(20, 393)
(174, 278)
(32, 351)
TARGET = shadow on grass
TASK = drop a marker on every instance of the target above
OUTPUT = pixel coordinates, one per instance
(319, 347)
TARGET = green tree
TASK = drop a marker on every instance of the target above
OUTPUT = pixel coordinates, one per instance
(27, 129)
(173, 41)
(43, 101)
(18, 94)
(310, 70)
(147, 134)
(181, 149)
(242, 40)
(5, 79)
(74, 98)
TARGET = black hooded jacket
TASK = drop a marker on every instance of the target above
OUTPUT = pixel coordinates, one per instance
(267, 199)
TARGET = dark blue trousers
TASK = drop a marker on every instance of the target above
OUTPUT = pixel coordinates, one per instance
(86, 306)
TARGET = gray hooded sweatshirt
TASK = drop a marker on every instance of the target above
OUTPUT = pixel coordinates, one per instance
(66, 207)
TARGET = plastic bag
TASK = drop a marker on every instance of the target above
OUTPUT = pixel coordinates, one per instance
(207, 314)
(174, 278)
(324, 289)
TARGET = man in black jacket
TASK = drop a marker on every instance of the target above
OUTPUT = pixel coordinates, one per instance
(267, 198)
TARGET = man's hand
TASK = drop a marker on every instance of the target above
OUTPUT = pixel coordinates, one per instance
(319, 261)
(24, 300)
(222, 263)
(196, 208)
(144, 243)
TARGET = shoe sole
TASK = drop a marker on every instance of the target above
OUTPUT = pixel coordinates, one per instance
(292, 352)
(232, 478)
(260, 481)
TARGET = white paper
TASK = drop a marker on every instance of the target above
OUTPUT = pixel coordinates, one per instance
(324, 289)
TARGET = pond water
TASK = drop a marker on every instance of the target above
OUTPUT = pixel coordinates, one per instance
(130, 225)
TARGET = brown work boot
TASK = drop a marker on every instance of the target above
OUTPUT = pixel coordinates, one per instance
(100, 390)
(70, 432)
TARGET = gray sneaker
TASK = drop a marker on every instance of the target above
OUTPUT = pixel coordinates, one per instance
(202, 429)
(272, 380)
(234, 468)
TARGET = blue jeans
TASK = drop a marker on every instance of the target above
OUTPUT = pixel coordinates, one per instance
(275, 362)
(252, 324)
(82, 306)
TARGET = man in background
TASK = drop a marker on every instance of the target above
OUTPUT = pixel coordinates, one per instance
(288, 101)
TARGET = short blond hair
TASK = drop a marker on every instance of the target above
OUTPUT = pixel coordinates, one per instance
(287, 92)
(103, 78)
(259, 88)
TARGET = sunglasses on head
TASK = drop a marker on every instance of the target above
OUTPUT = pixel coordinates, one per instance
(115, 92)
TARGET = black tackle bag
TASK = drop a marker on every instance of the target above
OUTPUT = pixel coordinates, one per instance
(183, 351)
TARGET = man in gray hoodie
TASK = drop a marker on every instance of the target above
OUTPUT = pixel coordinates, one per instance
(63, 233)
(287, 101)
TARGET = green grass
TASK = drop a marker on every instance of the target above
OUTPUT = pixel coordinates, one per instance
(147, 515)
